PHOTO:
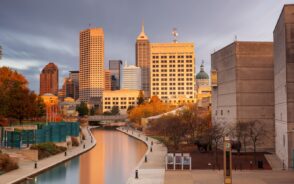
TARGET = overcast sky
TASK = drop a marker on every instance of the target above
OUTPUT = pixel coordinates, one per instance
(34, 32)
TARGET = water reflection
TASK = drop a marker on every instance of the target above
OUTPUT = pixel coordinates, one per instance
(109, 162)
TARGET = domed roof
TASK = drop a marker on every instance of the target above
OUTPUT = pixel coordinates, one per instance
(202, 74)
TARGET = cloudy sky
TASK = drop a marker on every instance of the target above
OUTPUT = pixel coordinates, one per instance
(34, 32)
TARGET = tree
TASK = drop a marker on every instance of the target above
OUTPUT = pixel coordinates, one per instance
(130, 109)
(140, 99)
(216, 134)
(114, 110)
(82, 109)
(21, 103)
(92, 111)
(196, 120)
(241, 133)
(172, 127)
(257, 133)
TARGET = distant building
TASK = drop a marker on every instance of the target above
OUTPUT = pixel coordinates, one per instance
(68, 108)
(115, 71)
(143, 60)
(123, 99)
(49, 79)
(203, 88)
(284, 86)
(131, 77)
(74, 77)
(244, 90)
(172, 72)
(91, 76)
(107, 80)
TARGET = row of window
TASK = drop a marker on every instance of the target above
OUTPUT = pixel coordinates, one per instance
(116, 98)
(165, 57)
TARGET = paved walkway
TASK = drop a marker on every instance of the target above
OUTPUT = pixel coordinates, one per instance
(152, 171)
(239, 177)
(27, 169)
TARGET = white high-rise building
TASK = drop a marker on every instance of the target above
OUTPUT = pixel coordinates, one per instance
(131, 77)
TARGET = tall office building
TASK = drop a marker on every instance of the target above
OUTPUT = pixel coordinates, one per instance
(74, 76)
(107, 80)
(284, 85)
(49, 79)
(131, 77)
(143, 60)
(91, 77)
(115, 72)
(244, 90)
(172, 72)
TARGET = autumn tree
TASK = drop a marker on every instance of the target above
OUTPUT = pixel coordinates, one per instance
(114, 110)
(140, 99)
(82, 109)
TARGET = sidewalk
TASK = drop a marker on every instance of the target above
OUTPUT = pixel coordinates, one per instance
(239, 177)
(152, 171)
(27, 169)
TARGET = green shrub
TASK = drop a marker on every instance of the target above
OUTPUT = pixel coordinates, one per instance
(7, 163)
(47, 149)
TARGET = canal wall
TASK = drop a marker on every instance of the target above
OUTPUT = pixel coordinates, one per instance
(28, 170)
(151, 168)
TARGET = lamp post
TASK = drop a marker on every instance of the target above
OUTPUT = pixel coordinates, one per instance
(227, 161)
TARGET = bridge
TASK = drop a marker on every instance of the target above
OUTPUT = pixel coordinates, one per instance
(108, 118)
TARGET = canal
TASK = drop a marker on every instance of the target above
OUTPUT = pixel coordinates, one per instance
(109, 162)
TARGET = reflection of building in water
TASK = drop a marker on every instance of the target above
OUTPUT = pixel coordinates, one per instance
(203, 88)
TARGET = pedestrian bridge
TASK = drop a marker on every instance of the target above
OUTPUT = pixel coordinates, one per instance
(107, 118)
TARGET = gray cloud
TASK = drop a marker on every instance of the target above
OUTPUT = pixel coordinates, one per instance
(34, 32)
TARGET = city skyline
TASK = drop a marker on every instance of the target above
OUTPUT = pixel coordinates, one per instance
(57, 38)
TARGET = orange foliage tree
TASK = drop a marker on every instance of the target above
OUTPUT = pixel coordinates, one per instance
(147, 109)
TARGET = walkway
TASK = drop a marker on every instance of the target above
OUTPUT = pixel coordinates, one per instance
(152, 171)
(27, 169)
(239, 177)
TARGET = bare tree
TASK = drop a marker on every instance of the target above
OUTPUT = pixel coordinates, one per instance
(256, 133)
(216, 134)
(242, 133)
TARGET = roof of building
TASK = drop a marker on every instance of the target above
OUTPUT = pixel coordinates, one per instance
(142, 35)
(202, 74)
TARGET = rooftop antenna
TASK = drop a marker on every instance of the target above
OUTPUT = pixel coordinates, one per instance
(175, 35)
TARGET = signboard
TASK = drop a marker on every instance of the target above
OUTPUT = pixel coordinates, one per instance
(213, 76)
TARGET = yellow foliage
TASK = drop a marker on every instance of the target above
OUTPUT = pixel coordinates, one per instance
(155, 107)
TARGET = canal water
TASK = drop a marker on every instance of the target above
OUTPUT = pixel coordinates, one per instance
(111, 161)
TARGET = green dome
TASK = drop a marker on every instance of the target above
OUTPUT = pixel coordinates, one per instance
(202, 74)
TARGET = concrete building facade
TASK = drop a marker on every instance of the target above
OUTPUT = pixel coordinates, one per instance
(115, 72)
(284, 85)
(49, 79)
(132, 77)
(91, 76)
(123, 99)
(172, 72)
(244, 90)
(143, 60)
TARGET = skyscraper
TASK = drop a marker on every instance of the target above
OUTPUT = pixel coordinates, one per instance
(107, 80)
(74, 76)
(143, 60)
(91, 78)
(49, 79)
(115, 72)
(131, 77)
(172, 72)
